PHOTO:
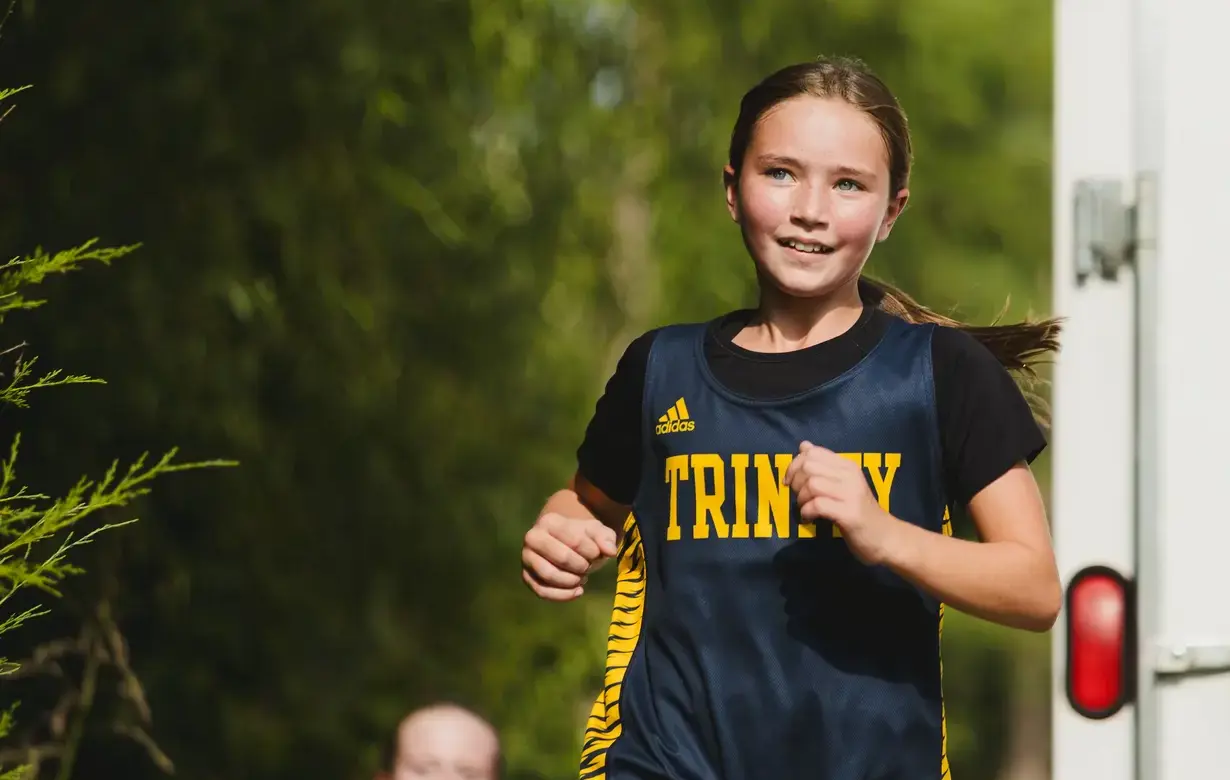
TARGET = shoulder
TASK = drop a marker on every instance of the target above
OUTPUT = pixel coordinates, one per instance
(964, 367)
(956, 350)
(966, 372)
(637, 351)
(608, 456)
(986, 423)
(634, 361)
(629, 375)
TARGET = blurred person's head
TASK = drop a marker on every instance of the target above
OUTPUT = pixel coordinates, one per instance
(817, 174)
(442, 742)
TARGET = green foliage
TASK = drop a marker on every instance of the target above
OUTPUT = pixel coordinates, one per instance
(392, 262)
(37, 531)
(30, 519)
(25, 271)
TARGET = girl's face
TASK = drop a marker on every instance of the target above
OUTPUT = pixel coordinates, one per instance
(812, 199)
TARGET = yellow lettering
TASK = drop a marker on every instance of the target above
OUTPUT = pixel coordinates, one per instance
(773, 495)
(883, 483)
(774, 498)
(709, 505)
(676, 471)
(740, 528)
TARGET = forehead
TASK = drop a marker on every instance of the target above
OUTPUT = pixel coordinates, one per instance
(820, 131)
(450, 736)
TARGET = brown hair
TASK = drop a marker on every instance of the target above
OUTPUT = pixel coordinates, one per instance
(1020, 346)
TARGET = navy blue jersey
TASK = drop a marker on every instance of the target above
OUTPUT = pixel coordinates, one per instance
(746, 643)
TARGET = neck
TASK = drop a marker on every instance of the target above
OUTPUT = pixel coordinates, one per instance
(784, 323)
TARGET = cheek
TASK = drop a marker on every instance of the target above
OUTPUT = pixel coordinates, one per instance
(764, 209)
(859, 218)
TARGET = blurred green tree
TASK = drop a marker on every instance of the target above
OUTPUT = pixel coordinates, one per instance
(37, 531)
(396, 250)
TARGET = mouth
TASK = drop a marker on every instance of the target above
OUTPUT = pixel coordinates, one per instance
(806, 247)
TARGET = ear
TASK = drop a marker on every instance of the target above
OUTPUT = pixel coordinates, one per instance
(731, 181)
(895, 207)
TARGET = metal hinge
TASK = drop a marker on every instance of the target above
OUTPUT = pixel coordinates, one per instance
(1104, 229)
(1179, 660)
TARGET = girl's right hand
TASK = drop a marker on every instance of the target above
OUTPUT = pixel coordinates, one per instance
(560, 552)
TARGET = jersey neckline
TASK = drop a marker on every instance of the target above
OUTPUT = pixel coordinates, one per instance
(723, 330)
(861, 325)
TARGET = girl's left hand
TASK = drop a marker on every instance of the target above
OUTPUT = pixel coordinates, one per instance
(830, 487)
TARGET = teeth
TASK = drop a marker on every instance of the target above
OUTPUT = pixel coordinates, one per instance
(815, 249)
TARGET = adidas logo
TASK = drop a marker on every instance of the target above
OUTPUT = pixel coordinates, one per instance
(676, 420)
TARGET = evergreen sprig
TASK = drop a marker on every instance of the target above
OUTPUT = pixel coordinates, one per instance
(37, 531)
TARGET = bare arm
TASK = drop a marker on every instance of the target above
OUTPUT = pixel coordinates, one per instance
(577, 529)
(584, 501)
(1009, 577)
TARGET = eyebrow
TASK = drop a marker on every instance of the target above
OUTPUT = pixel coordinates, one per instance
(790, 162)
(846, 170)
(774, 159)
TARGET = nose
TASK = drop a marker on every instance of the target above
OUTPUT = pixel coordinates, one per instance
(811, 206)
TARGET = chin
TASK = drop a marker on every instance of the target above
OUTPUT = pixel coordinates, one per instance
(809, 283)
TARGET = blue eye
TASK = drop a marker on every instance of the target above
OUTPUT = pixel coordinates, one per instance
(778, 174)
(853, 185)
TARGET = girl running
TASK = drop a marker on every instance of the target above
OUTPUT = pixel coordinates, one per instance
(776, 482)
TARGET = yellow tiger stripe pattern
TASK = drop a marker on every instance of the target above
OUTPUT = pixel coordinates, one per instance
(945, 770)
(604, 724)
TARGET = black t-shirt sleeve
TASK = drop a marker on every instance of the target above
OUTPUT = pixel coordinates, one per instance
(609, 457)
(986, 425)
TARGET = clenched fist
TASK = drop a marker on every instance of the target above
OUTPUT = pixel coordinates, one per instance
(560, 552)
(829, 487)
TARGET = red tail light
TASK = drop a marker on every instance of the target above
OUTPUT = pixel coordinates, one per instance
(1101, 671)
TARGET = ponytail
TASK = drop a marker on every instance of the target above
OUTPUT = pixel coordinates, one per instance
(1018, 347)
